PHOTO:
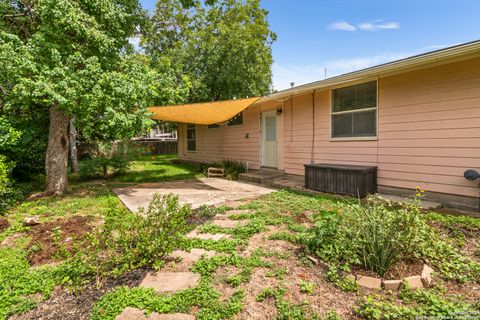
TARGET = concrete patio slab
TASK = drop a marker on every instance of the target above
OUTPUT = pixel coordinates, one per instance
(136, 314)
(170, 281)
(196, 192)
(194, 254)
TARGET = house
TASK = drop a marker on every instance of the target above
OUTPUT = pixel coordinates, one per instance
(417, 120)
(159, 133)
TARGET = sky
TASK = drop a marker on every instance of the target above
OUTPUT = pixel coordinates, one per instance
(320, 37)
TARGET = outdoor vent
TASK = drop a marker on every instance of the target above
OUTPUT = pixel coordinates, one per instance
(471, 174)
(357, 181)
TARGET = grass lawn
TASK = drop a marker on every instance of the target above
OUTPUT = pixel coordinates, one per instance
(156, 169)
(261, 272)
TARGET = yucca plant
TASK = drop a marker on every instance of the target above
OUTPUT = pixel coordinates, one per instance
(377, 249)
(233, 168)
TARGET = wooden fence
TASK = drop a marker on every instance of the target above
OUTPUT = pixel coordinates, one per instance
(150, 147)
(157, 147)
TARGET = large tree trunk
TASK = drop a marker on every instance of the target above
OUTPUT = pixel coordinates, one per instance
(56, 160)
(73, 146)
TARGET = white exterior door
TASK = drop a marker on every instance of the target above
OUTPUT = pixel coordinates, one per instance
(269, 140)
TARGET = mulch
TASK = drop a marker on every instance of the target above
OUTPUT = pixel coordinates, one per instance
(48, 241)
(77, 305)
(399, 270)
(4, 224)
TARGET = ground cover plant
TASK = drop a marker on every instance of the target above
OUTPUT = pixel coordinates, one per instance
(263, 270)
(376, 235)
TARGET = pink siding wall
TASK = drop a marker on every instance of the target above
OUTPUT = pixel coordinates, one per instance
(428, 132)
(216, 144)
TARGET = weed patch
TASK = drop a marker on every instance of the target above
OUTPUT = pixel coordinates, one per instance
(414, 304)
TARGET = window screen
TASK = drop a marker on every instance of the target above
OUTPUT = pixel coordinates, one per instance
(354, 111)
(191, 138)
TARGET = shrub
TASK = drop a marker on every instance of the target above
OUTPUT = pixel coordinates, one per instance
(233, 168)
(374, 235)
(378, 234)
(153, 233)
(8, 195)
(104, 167)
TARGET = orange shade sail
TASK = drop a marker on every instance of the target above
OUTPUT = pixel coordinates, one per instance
(202, 113)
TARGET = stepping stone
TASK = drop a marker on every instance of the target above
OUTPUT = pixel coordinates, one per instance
(369, 282)
(170, 281)
(393, 285)
(194, 254)
(230, 223)
(238, 211)
(229, 213)
(414, 282)
(207, 236)
(136, 314)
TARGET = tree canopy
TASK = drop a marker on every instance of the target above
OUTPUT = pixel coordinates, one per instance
(73, 58)
(224, 46)
(68, 59)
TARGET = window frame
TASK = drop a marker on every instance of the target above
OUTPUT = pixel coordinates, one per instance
(237, 124)
(332, 113)
(216, 126)
(190, 127)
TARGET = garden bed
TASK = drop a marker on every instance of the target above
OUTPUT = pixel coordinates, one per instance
(262, 270)
(52, 240)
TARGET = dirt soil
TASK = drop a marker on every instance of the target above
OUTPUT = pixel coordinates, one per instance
(44, 238)
(325, 297)
(399, 270)
(68, 305)
(4, 224)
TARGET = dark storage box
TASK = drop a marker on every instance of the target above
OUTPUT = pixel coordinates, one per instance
(357, 181)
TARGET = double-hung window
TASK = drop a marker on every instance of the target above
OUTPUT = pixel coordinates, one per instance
(354, 111)
(191, 138)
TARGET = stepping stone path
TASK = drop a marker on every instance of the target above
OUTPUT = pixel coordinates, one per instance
(207, 236)
(230, 223)
(137, 314)
(230, 213)
(169, 282)
(194, 254)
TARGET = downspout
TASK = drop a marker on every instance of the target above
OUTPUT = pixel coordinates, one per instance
(291, 118)
(313, 128)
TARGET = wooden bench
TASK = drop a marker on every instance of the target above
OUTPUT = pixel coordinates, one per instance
(213, 172)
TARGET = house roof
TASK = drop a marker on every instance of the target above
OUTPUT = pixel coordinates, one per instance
(221, 111)
(461, 51)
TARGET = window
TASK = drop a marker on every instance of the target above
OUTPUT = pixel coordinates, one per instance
(191, 138)
(354, 111)
(235, 121)
(271, 128)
